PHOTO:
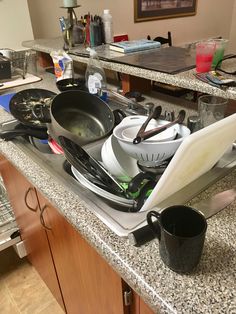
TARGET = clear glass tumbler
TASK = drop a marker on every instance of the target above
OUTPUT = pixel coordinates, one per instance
(211, 109)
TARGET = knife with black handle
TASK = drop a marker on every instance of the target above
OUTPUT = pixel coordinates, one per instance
(207, 207)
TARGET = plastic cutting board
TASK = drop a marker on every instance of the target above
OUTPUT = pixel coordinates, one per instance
(198, 153)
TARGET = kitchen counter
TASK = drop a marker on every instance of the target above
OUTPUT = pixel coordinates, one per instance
(184, 79)
(211, 288)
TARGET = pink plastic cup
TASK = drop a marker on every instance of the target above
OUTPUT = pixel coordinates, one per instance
(204, 55)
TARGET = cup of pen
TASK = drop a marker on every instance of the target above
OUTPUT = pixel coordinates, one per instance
(219, 51)
(204, 55)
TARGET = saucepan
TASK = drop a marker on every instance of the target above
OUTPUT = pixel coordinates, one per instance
(79, 116)
(21, 107)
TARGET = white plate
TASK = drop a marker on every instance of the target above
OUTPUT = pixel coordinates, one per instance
(99, 191)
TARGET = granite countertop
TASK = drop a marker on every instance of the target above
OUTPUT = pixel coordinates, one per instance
(184, 79)
(211, 288)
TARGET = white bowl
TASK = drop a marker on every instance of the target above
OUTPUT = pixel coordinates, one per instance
(117, 162)
(169, 134)
(149, 153)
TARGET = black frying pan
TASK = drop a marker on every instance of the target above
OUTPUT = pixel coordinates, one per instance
(21, 105)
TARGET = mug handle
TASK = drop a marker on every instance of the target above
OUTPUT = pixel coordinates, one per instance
(155, 226)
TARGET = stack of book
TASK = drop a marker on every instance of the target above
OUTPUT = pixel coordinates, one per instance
(134, 45)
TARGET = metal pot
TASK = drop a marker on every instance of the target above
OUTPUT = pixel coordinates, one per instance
(79, 116)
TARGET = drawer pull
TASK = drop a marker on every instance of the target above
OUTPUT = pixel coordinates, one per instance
(28, 206)
(42, 219)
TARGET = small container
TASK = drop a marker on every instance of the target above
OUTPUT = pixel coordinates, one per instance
(108, 26)
(194, 123)
(95, 76)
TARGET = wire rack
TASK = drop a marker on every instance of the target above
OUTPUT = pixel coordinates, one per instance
(6, 212)
(19, 62)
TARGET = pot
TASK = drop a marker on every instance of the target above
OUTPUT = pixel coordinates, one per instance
(79, 116)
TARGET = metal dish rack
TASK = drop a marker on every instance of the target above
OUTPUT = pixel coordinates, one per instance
(20, 61)
(8, 228)
(6, 212)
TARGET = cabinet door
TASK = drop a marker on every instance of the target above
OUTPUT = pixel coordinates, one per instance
(89, 285)
(23, 198)
(138, 306)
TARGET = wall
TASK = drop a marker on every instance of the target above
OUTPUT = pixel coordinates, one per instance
(15, 23)
(232, 37)
(213, 18)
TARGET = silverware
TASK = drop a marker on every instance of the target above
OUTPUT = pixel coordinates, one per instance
(150, 133)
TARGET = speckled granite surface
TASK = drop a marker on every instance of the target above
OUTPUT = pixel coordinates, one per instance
(185, 79)
(210, 289)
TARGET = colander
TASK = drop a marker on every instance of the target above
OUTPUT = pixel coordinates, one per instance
(149, 153)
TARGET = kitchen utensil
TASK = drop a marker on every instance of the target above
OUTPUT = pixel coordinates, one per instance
(8, 135)
(20, 106)
(120, 165)
(149, 153)
(153, 115)
(79, 116)
(71, 84)
(23, 102)
(208, 207)
(76, 155)
(198, 153)
(82, 176)
(145, 135)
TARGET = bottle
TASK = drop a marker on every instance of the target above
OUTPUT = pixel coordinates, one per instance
(95, 76)
(108, 26)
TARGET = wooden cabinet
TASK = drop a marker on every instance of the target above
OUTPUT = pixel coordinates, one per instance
(139, 307)
(75, 273)
(23, 198)
(79, 278)
(89, 285)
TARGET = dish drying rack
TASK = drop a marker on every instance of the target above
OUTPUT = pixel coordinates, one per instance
(8, 227)
(6, 212)
(20, 61)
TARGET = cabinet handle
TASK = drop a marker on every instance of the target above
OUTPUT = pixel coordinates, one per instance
(42, 219)
(28, 206)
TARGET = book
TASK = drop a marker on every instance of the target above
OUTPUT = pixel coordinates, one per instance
(134, 45)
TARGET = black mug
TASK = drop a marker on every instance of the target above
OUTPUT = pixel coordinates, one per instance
(181, 233)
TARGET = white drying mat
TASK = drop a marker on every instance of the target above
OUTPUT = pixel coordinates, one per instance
(29, 78)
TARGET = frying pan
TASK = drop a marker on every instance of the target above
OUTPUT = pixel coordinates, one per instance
(20, 106)
(22, 103)
(79, 116)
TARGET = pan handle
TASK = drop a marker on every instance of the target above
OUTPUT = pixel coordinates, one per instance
(42, 113)
(119, 115)
(11, 134)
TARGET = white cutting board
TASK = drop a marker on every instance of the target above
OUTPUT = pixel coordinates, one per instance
(198, 153)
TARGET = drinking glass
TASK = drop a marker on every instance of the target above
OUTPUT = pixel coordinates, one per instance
(204, 55)
(219, 51)
(211, 109)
